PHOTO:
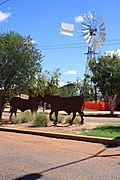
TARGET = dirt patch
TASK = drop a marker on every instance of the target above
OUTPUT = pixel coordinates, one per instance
(60, 128)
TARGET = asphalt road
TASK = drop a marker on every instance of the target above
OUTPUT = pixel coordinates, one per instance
(28, 157)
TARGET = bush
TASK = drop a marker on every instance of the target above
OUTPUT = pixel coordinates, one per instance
(26, 117)
(23, 117)
(61, 118)
(76, 120)
(15, 120)
(40, 119)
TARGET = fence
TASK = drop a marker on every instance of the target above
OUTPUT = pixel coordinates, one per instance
(100, 106)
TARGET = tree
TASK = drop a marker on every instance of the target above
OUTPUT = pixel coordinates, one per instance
(20, 63)
(70, 89)
(85, 88)
(52, 81)
(106, 75)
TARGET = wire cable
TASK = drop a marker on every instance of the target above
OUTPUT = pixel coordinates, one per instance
(4, 2)
(73, 46)
(77, 45)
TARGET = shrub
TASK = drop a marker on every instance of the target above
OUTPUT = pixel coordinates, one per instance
(61, 118)
(15, 120)
(23, 117)
(76, 120)
(40, 119)
(68, 118)
(26, 116)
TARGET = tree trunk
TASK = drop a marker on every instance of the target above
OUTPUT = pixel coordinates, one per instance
(0, 114)
(3, 101)
(112, 101)
(1, 110)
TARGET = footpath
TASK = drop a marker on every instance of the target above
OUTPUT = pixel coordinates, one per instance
(68, 132)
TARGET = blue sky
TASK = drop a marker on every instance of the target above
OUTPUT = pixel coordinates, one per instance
(42, 18)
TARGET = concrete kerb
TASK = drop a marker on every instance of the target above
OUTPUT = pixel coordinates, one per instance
(106, 141)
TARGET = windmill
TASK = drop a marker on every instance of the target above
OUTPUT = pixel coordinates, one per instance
(93, 31)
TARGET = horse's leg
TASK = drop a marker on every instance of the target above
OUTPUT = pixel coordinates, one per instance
(32, 112)
(71, 121)
(82, 119)
(51, 115)
(15, 112)
(11, 113)
(56, 118)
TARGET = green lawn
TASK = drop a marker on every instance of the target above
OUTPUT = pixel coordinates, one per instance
(110, 131)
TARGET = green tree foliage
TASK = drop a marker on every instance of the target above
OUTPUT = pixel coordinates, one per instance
(69, 89)
(20, 62)
(106, 75)
(52, 81)
(87, 89)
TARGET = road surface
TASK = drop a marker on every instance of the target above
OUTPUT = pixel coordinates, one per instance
(29, 157)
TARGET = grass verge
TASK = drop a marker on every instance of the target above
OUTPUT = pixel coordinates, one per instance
(109, 131)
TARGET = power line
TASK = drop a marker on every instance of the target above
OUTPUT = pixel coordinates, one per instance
(51, 47)
(76, 45)
(4, 2)
(54, 45)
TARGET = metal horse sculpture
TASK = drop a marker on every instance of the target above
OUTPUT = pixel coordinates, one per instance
(70, 105)
(31, 103)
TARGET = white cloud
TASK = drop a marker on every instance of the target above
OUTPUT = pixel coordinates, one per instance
(4, 15)
(70, 72)
(114, 52)
(79, 19)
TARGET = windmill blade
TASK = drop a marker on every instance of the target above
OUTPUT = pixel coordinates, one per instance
(85, 30)
(99, 42)
(87, 18)
(101, 25)
(86, 35)
(90, 15)
(88, 40)
(102, 29)
(94, 30)
(94, 18)
(94, 14)
(99, 21)
(96, 45)
(85, 25)
(102, 34)
(101, 38)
